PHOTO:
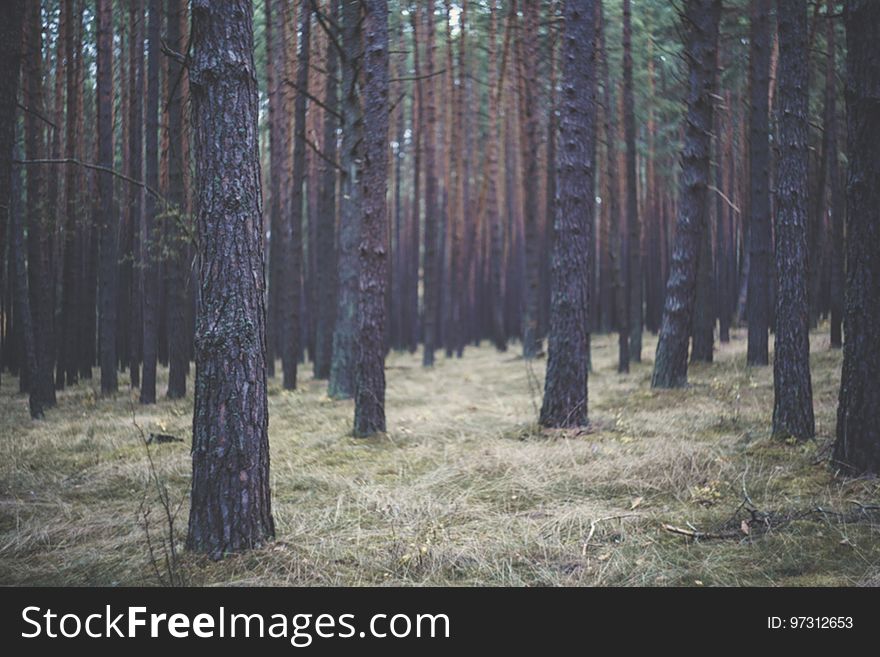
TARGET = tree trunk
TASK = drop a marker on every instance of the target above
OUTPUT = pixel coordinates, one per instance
(701, 27)
(634, 241)
(108, 227)
(837, 200)
(793, 398)
(565, 387)
(760, 239)
(342, 367)
(369, 411)
(326, 238)
(230, 507)
(136, 193)
(150, 233)
(431, 264)
(857, 448)
(175, 278)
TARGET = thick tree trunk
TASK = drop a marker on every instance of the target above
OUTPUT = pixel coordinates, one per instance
(565, 387)
(760, 239)
(369, 411)
(857, 447)
(230, 507)
(150, 233)
(326, 238)
(701, 27)
(11, 24)
(108, 228)
(39, 223)
(793, 398)
(342, 368)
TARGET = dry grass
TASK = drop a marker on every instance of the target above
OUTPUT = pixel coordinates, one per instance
(463, 490)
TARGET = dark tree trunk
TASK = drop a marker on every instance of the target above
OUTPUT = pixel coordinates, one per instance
(760, 239)
(565, 387)
(701, 27)
(291, 342)
(40, 224)
(326, 238)
(342, 367)
(499, 335)
(431, 263)
(175, 264)
(108, 227)
(414, 236)
(634, 239)
(369, 411)
(274, 80)
(230, 506)
(136, 193)
(837, 200)
(72, 291)
(857, 447)
(703, 330)
(23, 318)
(150, 233)
(11, 24)
(528, 56)
(793, 398)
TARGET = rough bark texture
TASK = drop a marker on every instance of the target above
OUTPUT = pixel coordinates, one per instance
(431, 263)
(857, 447)
(230, 506)
(369, 411)
(326, 229)
(565, 387)
(109, 227)
(701, 28)
(151, 209)
(342, 368)
(634, 229)
(793, 398)
(499, 335)
(760, 239)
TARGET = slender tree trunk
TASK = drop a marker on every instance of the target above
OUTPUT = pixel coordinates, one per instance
(857, 448)
(369, 412)
(760, 238)
(634, 248)
(327, 217)
(150, 233)
(701, 27)
(175, 279)
(431, 264)
(565, 387)
(837, 200)
(136, 193)
(109, 225)
(418, 128)
(793, 398)
(231, 506)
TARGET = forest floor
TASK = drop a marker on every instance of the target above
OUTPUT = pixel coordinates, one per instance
(464, 489)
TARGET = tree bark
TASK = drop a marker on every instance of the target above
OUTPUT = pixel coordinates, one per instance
(634, 241)
(701, 20)
(793, 398)
(369, 412)
(230, 507)
(565, 386)
(136, 193)
(431, 263)
(837, 200)
(857, 447)
(150, 233)
(760, 238)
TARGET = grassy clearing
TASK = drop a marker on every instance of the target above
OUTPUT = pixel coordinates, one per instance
(463, 490)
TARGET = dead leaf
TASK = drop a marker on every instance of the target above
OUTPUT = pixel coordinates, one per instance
(636, 503)
(745, 528)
